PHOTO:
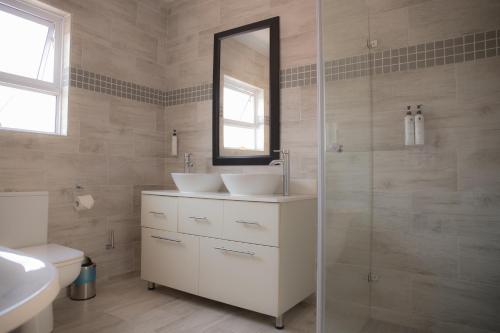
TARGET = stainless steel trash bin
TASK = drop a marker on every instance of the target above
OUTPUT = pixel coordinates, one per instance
(84, 286)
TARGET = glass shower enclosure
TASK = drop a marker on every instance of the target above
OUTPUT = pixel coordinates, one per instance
(409, 231)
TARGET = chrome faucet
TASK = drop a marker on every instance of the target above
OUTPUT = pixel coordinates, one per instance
(284, 161)
(188, 163)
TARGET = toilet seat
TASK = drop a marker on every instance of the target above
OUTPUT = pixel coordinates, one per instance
(56, 254)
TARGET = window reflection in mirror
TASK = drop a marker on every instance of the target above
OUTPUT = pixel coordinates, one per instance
(244, 89)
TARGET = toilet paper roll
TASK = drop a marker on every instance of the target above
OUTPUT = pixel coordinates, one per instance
(83, 202)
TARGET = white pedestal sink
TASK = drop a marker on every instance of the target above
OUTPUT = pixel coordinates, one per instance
(197, 182)
(251, 184)
(27, 286)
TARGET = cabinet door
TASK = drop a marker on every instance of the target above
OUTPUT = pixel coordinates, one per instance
(251, 222)
(159, 212)
(200, 217)
(170, 259)
(244, 275)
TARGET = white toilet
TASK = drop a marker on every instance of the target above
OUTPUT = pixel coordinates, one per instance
(23, 226)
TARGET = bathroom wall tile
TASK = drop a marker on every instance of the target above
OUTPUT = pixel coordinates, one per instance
(445, 18)
(122, 171)
(415, 254)
(456, 302)
(478, 170)
(403, 171)
(349, 283)
(308, 103)
(92, 146)
(468, 203)
(392, 211)
(480, 259)
(477, 93)
(21, 140)
(351, 32)
(126, 230)
(392, 290)
(408, 320)
(291, 104)
(149, 171)
(22, 169)
(149, 144)
(376, 6)
(350, 170)
(298, 49)
(62, 169)
(130, 115)
(90, 231)
(298, 16)
(390, 28)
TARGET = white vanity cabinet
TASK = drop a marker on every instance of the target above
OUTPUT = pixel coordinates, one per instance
(256, 253)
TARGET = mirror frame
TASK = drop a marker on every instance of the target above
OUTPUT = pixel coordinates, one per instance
(274, 94)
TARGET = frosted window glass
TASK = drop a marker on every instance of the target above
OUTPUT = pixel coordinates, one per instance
(27, 47)
(27, 110)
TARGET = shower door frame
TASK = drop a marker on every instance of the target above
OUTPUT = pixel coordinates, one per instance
(320, 261)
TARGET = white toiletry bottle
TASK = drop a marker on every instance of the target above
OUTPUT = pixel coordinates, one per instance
(174, 143)
(419, 126)
(409, 127)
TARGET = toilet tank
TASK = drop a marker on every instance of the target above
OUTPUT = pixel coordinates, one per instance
(23, 218)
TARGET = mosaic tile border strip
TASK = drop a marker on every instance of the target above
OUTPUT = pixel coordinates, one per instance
(84, 79)
(202, 92)
(299, 76)
(469, 47)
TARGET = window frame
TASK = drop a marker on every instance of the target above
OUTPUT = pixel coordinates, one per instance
(39, 14)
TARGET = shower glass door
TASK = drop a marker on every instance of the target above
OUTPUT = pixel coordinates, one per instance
(410, 232)
(347, 165)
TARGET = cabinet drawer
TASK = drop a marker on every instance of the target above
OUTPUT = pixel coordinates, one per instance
(170, 259)
(200, 217)
(252, 222)
(244, 275)
(159, 212)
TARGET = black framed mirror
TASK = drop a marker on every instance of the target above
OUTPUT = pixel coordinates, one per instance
(246, 94)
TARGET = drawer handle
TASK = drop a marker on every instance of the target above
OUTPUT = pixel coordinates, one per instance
(199, 219)
(247, 222)
(167, 239)
(157, 213)
(223, 249)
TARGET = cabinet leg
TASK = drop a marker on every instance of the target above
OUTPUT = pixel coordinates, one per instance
(151, 285)
(280, 324)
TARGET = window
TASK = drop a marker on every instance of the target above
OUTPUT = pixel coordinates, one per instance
(243, 113)
(31, 68)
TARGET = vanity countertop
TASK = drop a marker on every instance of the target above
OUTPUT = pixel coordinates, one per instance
(227, 196)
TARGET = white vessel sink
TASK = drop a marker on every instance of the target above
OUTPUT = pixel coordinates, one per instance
(251, 184)
(197, 182)
(27, 286)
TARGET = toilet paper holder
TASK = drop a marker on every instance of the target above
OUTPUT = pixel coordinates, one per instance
(82, 201)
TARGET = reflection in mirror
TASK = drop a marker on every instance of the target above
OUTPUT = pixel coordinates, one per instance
(244, 92)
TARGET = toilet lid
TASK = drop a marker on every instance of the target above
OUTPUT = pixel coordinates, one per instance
(53, 253)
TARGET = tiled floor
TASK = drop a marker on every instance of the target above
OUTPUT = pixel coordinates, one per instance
(126, 306)
(375, 326)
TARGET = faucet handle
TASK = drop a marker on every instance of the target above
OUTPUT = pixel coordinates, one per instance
(283, 151)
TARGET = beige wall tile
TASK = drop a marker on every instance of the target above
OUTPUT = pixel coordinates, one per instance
(466, 303)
